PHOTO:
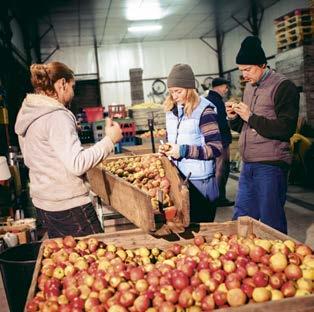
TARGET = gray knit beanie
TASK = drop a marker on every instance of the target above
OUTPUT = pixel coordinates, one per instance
(181, 76)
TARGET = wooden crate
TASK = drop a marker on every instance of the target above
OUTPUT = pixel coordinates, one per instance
(141, 116)
(243, 226)
(136, 205)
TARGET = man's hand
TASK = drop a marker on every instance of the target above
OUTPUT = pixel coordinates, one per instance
(113, 131)
(231, 114)
(243, 111)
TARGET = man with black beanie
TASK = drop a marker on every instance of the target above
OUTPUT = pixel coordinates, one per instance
(266, 119)
(215, 95)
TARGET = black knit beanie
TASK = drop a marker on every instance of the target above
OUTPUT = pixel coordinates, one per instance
(181, 76)
(251, 52)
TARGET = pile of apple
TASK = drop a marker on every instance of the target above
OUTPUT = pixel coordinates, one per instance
(157, 133)
(88, 275)
(144, 172)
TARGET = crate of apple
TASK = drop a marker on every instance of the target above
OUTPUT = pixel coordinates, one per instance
(200, 275)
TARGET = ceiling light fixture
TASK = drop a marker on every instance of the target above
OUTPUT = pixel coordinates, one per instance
(146, 28)
(142, 14)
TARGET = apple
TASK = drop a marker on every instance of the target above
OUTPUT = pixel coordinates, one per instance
(290, 244)
(279, 247)
(127, 298)
(241, 272)
(171, 296)
(278, 262)
(302, 293)
(166, 307)
(244, 250)
(69, 241)
(185, 297)
(219, 276)
(247, 289)
(264, 243)
(208, 303)
(117, 308)
(229, 266)
(204, 275)
(85, 291)
(256, 253)
(276, 294)
(105, 294)
(199, 293)
(305, 284)
(199, 240)
(215, 264)
(288, 289)
(241, 261)
(71, 292)
(220, 297)
(260, 279)
(232, 281)
(251, 268)
(141, 303)
(236, 297)
(261, 294)
(276, 280)
(293, 272)
(303, 250)
(136, 274)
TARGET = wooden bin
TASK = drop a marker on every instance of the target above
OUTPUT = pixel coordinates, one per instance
(243, 226)
(135, 204)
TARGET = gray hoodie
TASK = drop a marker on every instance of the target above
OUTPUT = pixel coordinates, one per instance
(53, 153)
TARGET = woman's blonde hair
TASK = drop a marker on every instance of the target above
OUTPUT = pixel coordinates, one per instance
(44, 76)
(191, 102)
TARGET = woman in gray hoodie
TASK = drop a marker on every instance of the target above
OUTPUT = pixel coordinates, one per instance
(53, 153)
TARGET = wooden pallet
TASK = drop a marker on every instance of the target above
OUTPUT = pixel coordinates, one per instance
(291, 44)
(244, 226)
(294, 19)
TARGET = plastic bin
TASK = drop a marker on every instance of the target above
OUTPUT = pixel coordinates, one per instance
(17, 265)
(94, 113)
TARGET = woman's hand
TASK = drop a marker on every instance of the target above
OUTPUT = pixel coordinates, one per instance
(170, 149)
(113, 131)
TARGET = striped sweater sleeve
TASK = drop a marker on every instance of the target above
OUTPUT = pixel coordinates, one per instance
(213, 146)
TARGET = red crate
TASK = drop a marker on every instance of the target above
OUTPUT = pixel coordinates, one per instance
(94, 113)
(128, 127)
(117, 111)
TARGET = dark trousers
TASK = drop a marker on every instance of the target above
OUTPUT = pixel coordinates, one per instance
(203, 194)
(262, 194)
(78, 221)
(222, 171)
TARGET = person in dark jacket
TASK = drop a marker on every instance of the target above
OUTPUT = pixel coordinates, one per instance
(219, 90)
(266, 119)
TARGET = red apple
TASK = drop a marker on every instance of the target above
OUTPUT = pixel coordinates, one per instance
(185, 298)
(303, 250)
(141, 303)
(293, 272)
(260, 279)
(199, 240)
(288, 289)
(256, 253)
(208, 303)
(247, 289)
(69, 241)
(220, 297)
(276, 280)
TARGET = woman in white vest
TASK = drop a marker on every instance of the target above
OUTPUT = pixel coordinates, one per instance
(195, 141)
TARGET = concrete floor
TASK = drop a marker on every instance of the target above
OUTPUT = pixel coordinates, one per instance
(299, 211)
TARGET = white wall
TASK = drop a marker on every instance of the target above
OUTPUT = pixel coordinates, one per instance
(155, 58)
